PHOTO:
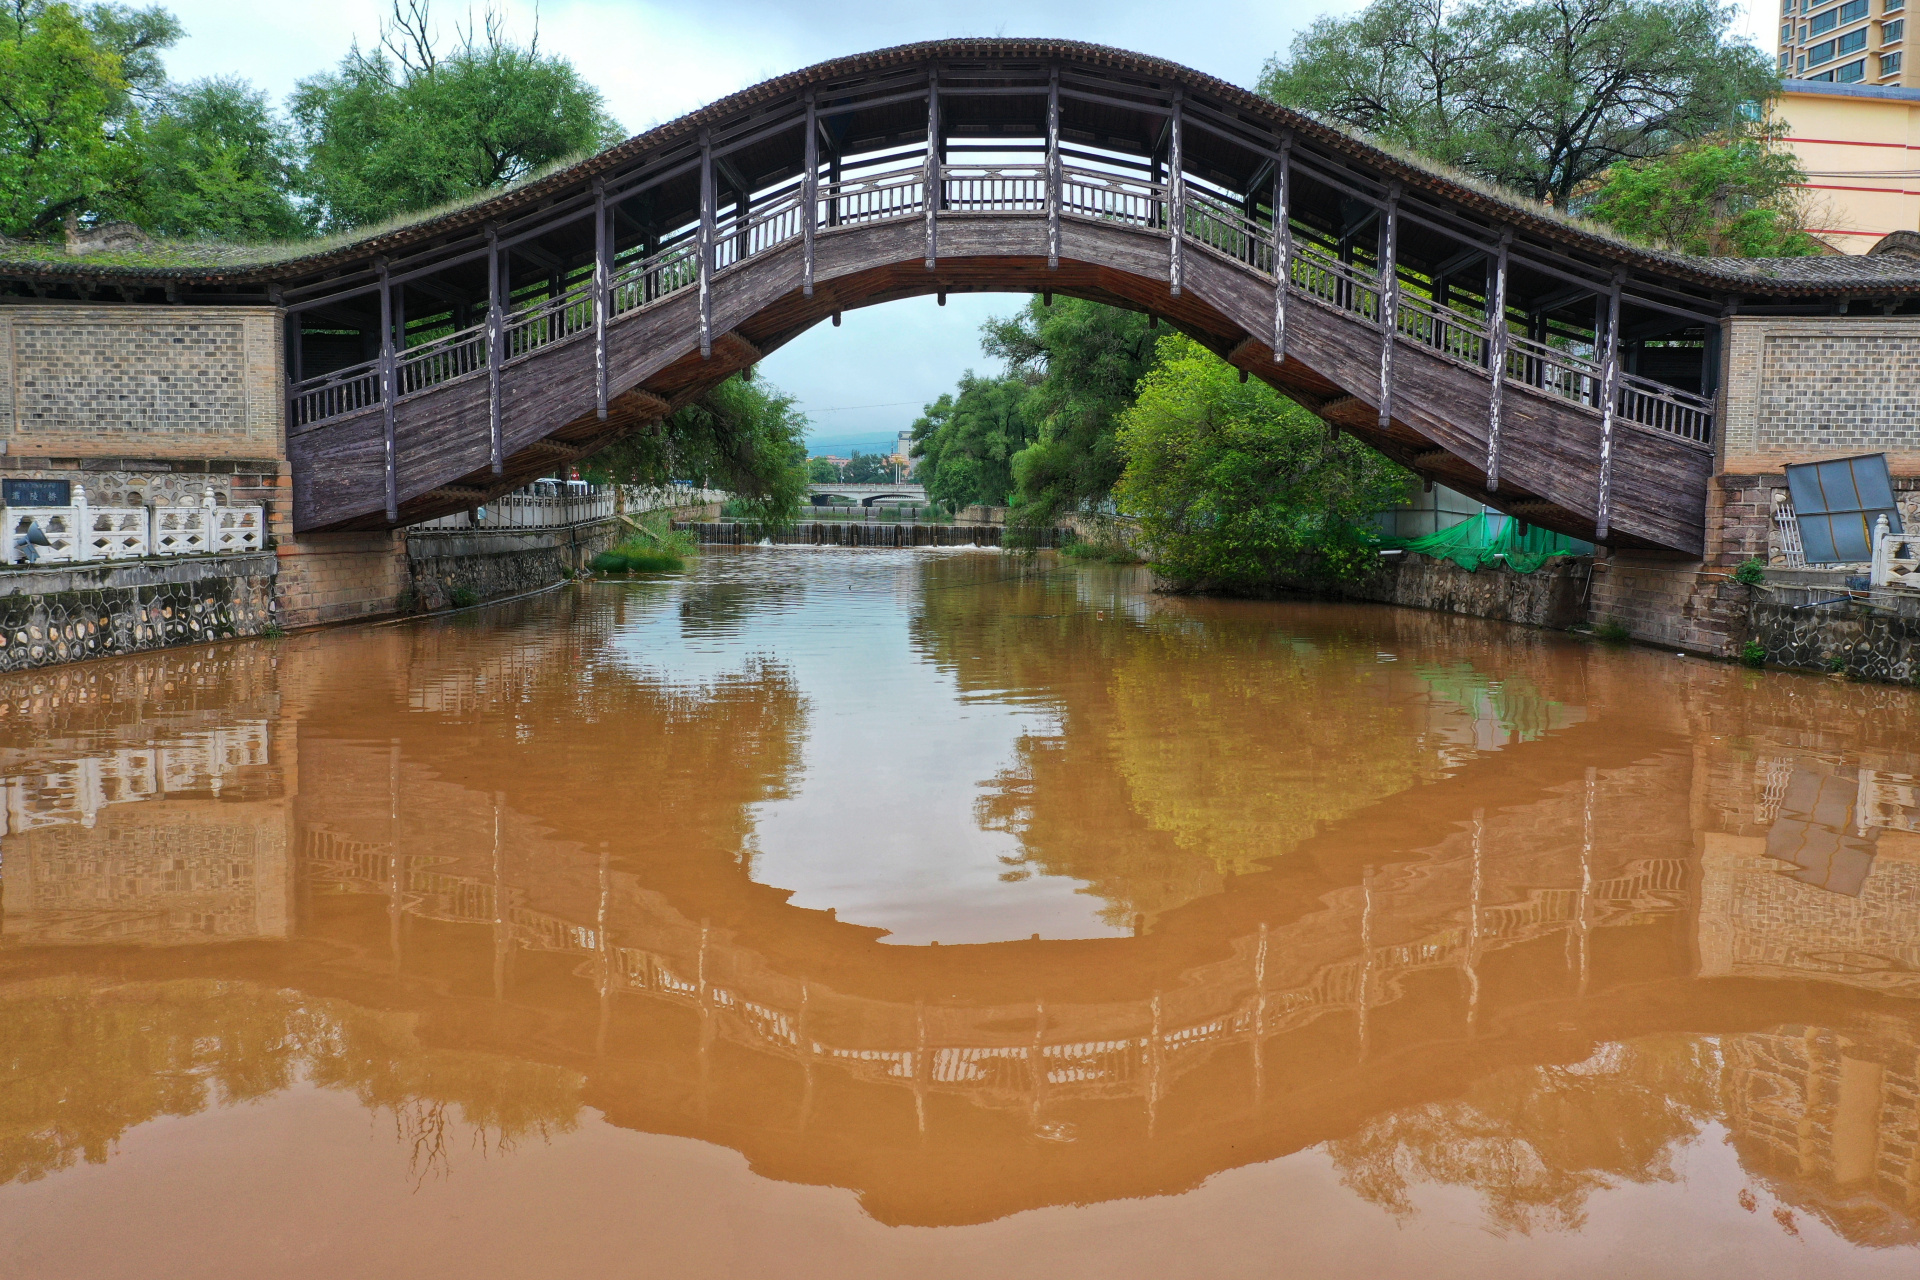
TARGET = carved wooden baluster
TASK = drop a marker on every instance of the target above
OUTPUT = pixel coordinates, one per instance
(496, 335)
(602, 271)
(1176, 199)
(1389, 298)
(1497, 356)
(707, 234)
(1282, 246)
(809, 195)
(1053, 170)
(1609, 379)
(387, 394)
(932, 183)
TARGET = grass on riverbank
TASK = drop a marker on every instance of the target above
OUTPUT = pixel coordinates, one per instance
(1107, 546)
(657, 548)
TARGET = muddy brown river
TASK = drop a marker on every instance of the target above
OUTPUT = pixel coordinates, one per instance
(951, 913)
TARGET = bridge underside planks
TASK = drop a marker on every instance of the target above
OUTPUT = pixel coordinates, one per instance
(1550, 447)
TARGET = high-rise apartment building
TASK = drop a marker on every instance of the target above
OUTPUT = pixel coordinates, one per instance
(1845, 41)
(1851, 113)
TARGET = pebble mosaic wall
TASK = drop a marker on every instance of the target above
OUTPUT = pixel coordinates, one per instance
(50, 616)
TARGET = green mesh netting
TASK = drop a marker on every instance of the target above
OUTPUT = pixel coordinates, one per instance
(1492, 539)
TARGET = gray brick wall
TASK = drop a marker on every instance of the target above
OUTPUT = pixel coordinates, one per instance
(1800, 388)
(88, 382)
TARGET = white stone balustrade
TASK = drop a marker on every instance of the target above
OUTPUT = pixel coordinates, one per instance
(82, 533)
(549, 505)
(1896, 557)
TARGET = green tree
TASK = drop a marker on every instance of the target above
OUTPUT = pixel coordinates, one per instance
(215, 161)
(409, 126)
(1083, 359)
(820, 471)
(966, 443)
(866, 468)
(71, 86)
(743, 436)
(1736, 196)
(1236, 487)
(1540, 95)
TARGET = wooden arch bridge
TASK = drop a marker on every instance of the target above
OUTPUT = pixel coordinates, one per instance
(1568, 378)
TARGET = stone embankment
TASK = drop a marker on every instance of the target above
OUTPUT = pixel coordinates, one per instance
(1821, 626)
(1552, 596)
(448, 560)
(70, 613)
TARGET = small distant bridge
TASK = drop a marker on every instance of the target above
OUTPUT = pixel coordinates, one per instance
(867, 495)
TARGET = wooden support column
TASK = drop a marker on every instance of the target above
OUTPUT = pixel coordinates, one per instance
(290, 336)
(387, 390)
(833, 180)
(1053, 169)
(1389, 298)
(602, 272)
(1497, 355)
(707, 234)
(743, 224)
(1282, 246)
(809, 196)
(1609, 381)
(496, 336)
(1176, 198)
(932, 182)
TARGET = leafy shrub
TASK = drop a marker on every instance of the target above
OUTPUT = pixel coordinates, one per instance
(636, 556)
(1753, 654)
(640, 561)
(1613, 631)
(464, 597)
(1751, 572)
(1235, 486)
(1837, 663)
(1106, 546)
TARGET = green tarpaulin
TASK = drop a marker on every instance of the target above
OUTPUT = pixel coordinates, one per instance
(1493, 539)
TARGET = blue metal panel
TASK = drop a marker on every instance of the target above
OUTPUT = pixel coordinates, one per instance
(1838, 503)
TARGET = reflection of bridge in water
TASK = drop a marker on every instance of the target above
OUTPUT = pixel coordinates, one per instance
(1005, 1055)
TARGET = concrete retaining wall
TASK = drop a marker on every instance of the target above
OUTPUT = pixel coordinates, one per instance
(1554, 596)
(57, 615)
(491, 563)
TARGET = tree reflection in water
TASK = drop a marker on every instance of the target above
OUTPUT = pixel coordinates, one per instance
(88, 1061)
(1537, 1142)
(1200, 740)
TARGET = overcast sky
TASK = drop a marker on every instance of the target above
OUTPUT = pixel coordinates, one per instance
(654, 62)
